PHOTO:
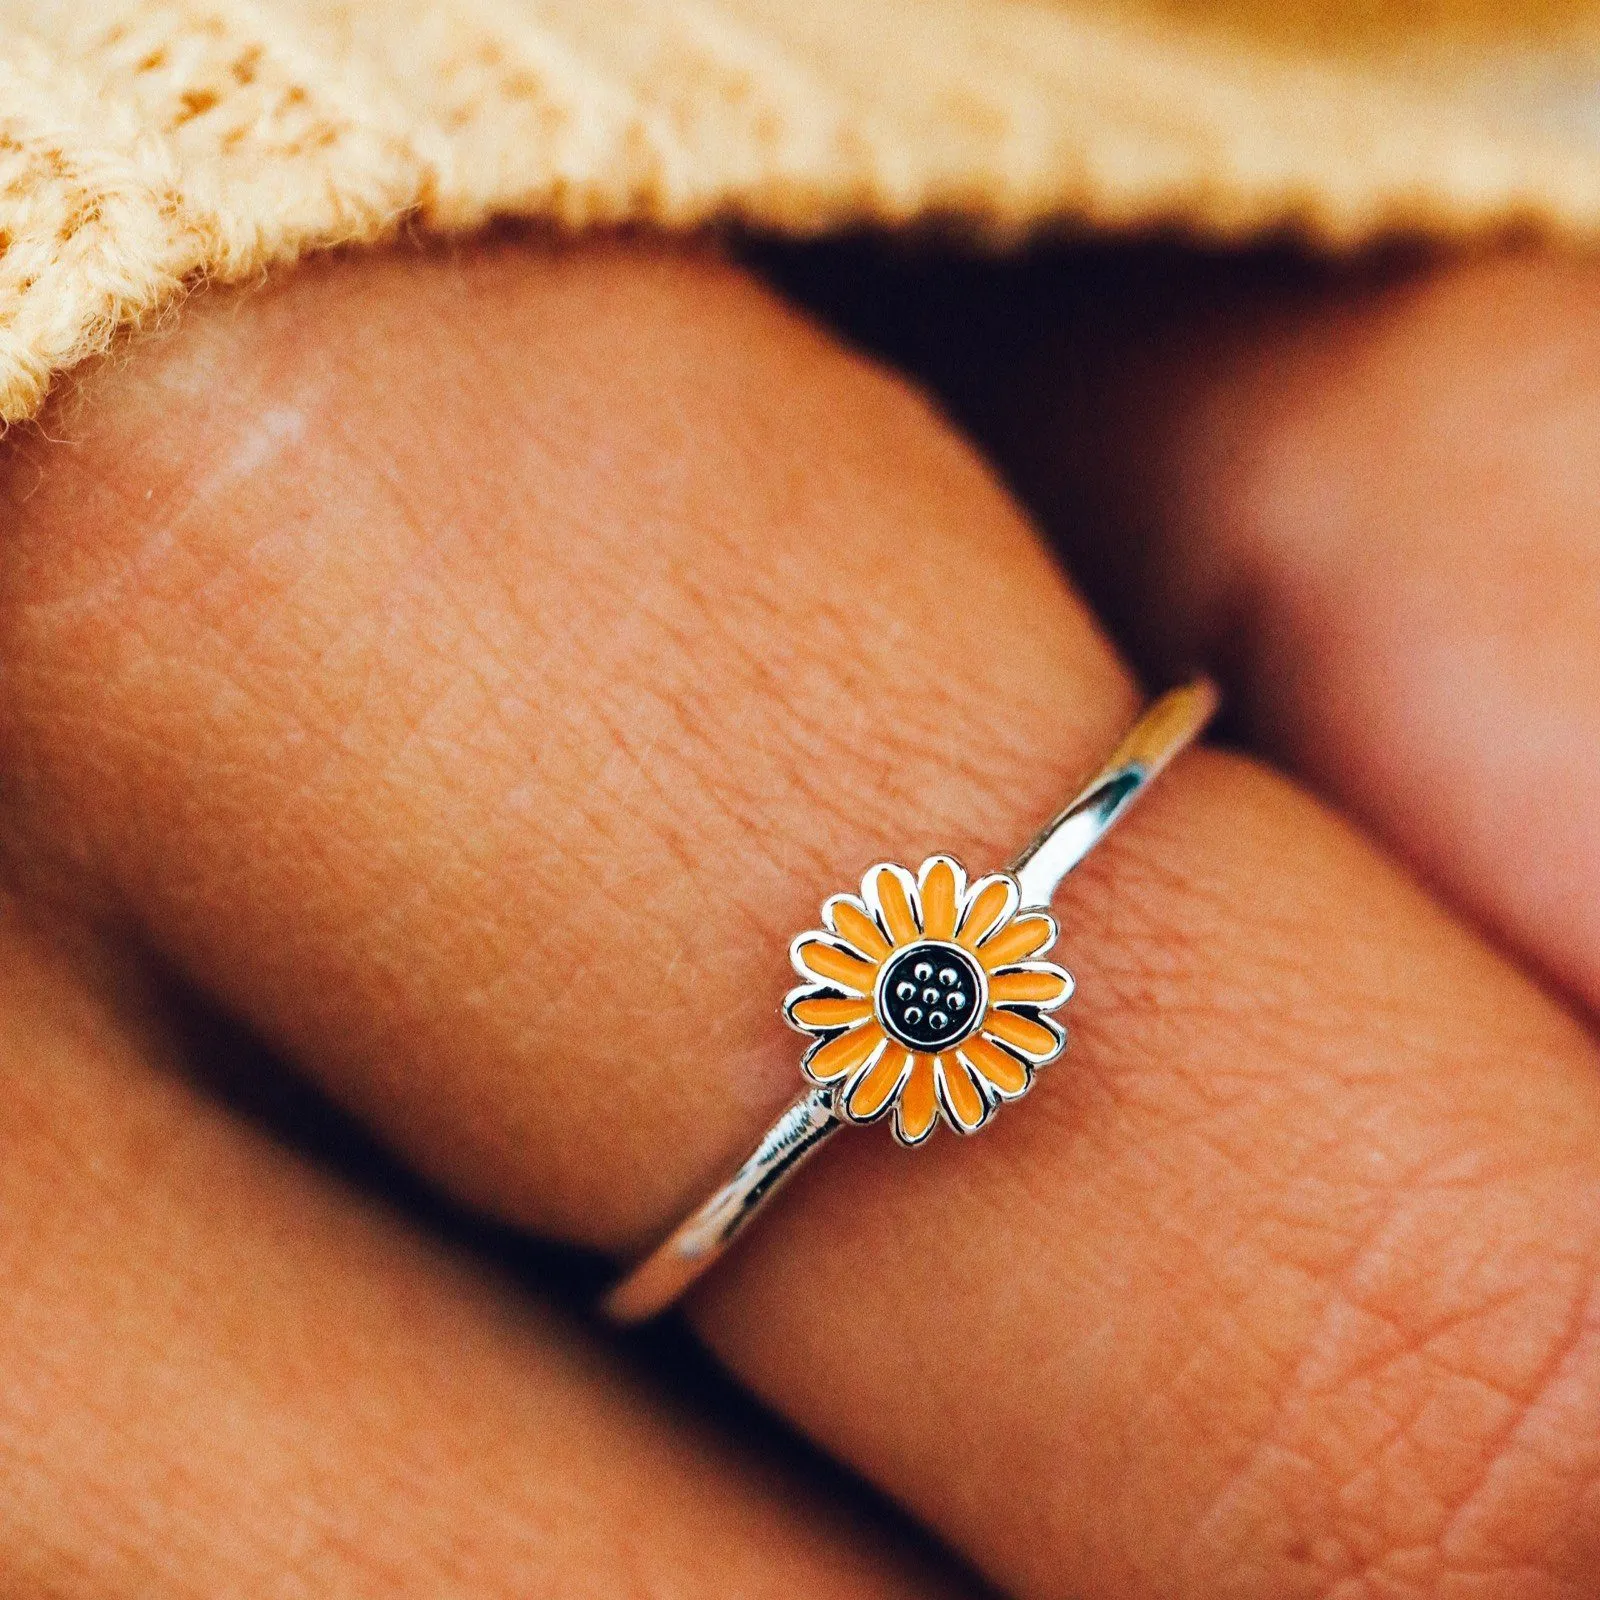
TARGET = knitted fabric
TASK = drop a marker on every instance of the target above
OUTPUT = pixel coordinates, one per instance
(148, 143)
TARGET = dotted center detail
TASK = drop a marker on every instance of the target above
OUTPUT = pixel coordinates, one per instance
(931, 996)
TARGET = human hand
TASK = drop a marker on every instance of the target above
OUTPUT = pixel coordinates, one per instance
(469, 671)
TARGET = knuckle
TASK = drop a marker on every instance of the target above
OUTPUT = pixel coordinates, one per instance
(1434, 1432)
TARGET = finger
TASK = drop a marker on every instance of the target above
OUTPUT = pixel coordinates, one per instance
(1375, 500)
(541, 673)
(495, 778)
(221, 1374)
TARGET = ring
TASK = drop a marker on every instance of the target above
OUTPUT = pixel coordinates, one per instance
(926, 997)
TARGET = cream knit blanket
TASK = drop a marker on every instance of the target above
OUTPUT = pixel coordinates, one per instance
(145, 144)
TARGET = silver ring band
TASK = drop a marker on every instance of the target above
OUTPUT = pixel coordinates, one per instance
(899, 978)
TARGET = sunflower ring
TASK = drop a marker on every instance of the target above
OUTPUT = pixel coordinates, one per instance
(926, 998)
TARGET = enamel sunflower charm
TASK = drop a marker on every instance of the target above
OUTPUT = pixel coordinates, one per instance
(925, 997)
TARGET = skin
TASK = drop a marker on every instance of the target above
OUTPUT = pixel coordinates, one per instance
(471, 671)
(226, 1373)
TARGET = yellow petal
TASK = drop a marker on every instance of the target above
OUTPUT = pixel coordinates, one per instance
(1030, 988)
(985, 911)
(855, 927)
(1022, 938)
(828, 1011)
(871, 1092)
(835, 966)
(898, 916)
(961, 1093)
(1004, 1071)
(844, 1054)
(919, 1100)
(1030, 1037)
(939, 902)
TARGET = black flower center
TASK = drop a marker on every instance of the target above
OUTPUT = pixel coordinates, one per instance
(930, 996)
